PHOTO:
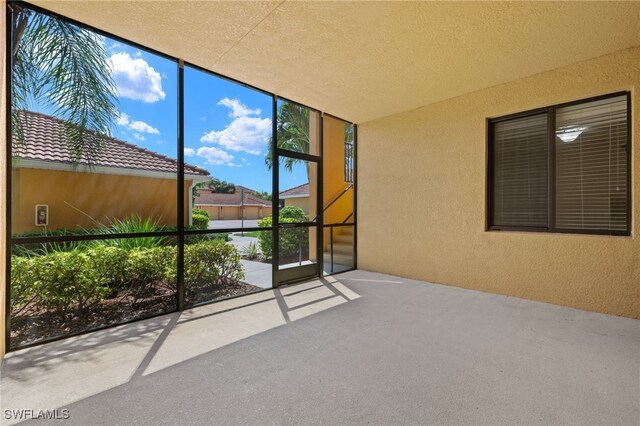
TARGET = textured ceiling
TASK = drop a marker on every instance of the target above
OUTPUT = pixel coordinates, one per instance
(366, 60)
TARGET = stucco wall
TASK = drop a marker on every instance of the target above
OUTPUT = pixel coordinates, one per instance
(233, 213)
(333, 172)
(422, 208)
(333, 178)
(74, 198)
(214, 211)
(302, 202)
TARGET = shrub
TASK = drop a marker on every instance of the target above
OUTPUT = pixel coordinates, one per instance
(146, 268)
(265, 238)
(201, 213)
(291, 239)
(24, 292)
(198, 238)
(292, 212)
(41, 249)
(51, 233)
(251, 251)
(200, 221)
(63, 281)
(76, 280)
(109, 263)
(132, 224)
(211, 263)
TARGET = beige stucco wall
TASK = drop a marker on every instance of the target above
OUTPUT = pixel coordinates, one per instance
(214, 211)
(302, 202)
(422, 208)
(74, 198)
(3, 167)
(266, 211)
(250, 212)
(230, 212)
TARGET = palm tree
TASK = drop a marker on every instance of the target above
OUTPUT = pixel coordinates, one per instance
(65, 67)
(293, 134)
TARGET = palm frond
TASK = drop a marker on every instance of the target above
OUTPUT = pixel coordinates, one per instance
(293, 133)
(65, 67)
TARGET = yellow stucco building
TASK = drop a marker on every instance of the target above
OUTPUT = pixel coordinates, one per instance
(122, 180)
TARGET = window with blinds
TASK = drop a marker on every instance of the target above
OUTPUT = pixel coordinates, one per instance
(591, 165)
(576, 182)
(521, 172)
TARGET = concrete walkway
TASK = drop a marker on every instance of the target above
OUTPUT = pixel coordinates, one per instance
(351, 349)
(241, 242)
(257, 273)
(233, 223)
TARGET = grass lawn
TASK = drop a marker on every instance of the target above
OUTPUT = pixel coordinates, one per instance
(248, 234)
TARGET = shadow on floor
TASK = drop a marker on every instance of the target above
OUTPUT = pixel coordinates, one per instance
(82, 366)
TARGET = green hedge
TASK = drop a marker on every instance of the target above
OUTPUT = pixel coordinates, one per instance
(201, 213)
(78, 279)
(200, 221)
(211, 262)
(291, 239)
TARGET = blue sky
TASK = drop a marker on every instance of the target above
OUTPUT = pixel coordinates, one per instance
(227, 126)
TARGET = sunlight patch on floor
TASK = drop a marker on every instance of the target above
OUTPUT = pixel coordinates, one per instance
(62, 372)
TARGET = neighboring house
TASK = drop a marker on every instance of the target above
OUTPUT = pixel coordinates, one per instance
(123, 179)
(243, 204)
(297, 196)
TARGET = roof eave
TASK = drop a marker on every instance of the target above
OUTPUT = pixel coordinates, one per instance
(121, 171)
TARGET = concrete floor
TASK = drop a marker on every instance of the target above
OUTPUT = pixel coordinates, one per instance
(353, 348)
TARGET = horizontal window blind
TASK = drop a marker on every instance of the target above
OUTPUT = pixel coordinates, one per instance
(591, 165)
(520, 172)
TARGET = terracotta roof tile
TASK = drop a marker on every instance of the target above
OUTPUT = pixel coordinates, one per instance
(296, 190)
(206, 196)
(44, 140)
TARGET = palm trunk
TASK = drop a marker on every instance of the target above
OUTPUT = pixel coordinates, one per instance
(19, 21)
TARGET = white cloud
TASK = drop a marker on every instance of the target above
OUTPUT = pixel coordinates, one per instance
(248, 134)
(138, 137)
(245, 133)
(189, 152)
(141, 126)
(135, 78)
(137, 125)
(238, 109)
(123, 119)
(215, 156)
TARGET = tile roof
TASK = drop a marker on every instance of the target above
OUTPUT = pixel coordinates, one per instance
(296, 190)
(206, 196)
(44, 141)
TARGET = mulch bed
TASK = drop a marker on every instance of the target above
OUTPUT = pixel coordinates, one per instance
(41, 324)
(207, 294)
